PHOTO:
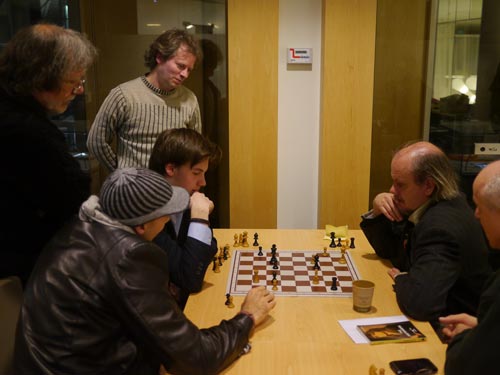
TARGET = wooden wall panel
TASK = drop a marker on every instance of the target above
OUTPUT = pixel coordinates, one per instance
(400, 83)
(253, 112)
(346, 113)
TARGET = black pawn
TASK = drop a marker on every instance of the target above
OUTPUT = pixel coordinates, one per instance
(334, 283)
(275, 264)
(332, 236)
(339, 242)
(255, 238)
(260, 253)
(227, 299)
(352, 243)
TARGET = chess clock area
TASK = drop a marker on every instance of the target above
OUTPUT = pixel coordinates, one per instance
(302, 334)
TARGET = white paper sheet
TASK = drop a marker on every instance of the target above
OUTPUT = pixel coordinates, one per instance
(351, 326)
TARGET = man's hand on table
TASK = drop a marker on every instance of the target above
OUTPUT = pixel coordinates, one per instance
(258, 303)
(455, 324)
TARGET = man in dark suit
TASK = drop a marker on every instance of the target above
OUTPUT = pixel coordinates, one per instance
(473, 349)
(428, 231)
(183, 156)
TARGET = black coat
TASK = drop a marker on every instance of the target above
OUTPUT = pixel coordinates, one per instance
(98, 303)
(445, 255)
(41, 184)
(475, 351)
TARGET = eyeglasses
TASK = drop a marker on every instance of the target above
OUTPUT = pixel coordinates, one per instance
(78, 87)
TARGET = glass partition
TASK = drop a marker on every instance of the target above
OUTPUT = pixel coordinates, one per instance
(16, 14)
(464, 118)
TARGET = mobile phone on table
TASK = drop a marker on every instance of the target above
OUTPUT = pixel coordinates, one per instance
(417, 366)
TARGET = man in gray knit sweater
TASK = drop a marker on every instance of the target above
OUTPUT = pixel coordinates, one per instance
(136, 112)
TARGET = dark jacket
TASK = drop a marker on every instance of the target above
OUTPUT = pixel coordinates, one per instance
(41, 184)
(445, 255)
(475, 351)
(188, 258)
(98, 303)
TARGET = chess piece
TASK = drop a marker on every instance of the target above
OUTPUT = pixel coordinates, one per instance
(315, 277)
(352, 243)
(240, 239)
(339, 242)
(274, 249)
(227, 250)
(316, 263)
(275, 264)
(220, 260)
(229, 301)
(216, 267)
(236, 240)
(275, 284)
(332, 236)
(334, 283)
(244, 239)
(260, 253)
(312, 259)
(255, 278)
(342, 259)
(273, 256)
(255, 239)
(325, 253)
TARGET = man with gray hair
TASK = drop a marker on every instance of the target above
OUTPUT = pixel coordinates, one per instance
(136, 112)
(428, 231)
(98, 300)
(473, 348)
(42, 69)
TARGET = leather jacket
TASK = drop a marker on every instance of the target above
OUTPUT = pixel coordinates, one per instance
(98, 303)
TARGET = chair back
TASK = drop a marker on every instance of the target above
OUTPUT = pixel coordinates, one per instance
(11, 296)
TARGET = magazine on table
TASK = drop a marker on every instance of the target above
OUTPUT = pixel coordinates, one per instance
(402, 331)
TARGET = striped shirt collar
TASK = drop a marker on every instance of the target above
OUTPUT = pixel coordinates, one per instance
(156, 90)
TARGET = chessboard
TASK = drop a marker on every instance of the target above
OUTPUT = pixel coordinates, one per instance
(295, 274)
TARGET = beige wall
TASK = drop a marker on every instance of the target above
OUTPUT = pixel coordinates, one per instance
(298, 115)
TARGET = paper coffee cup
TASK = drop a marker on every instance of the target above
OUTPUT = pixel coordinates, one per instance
(362, 295)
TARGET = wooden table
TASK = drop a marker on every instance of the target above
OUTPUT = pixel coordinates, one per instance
(302, 334)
